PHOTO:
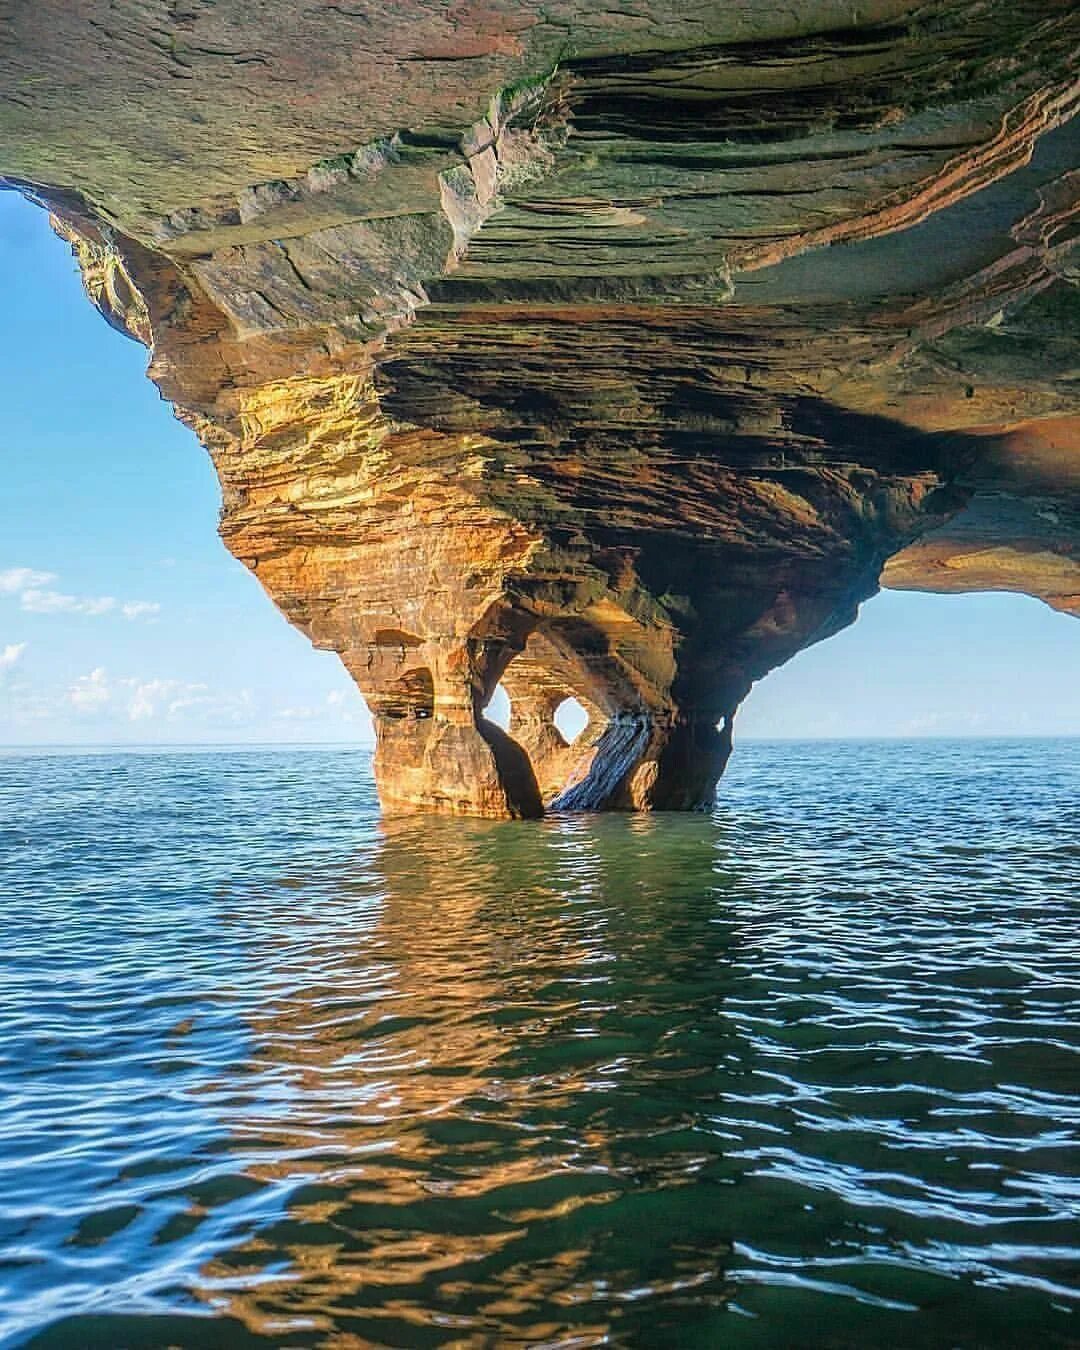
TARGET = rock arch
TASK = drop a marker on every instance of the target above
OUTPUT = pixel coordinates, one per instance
(618, 368)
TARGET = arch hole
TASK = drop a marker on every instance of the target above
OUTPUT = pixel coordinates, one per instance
(571, 719)
(499, 709)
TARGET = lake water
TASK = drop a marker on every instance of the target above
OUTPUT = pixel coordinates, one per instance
(802, 1074)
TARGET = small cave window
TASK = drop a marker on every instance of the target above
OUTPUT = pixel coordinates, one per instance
(411, 696)
(571, 719)
(498, 709)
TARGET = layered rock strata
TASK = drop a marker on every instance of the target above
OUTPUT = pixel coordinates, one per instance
(610, 354)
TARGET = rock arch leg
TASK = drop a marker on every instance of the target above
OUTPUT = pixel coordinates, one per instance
(684, 763)
(652, 761)
(537, 681)
(638, 751)
(576, 657)
(434, 749)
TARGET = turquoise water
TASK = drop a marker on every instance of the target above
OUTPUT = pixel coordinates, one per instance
(801, 1074)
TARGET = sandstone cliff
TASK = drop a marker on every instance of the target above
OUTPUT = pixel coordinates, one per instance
(614, 353)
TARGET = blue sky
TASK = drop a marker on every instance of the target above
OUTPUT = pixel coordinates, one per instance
(124, 619)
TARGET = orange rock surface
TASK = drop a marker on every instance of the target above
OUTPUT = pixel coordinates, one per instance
(614, 354)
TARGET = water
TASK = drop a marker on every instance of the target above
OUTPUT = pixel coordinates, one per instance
(804, 1074)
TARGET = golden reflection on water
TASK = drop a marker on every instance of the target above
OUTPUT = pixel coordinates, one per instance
(437, 1066)
(684, 1083)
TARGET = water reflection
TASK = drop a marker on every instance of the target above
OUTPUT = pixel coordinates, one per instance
(495, 1101)
(788, 1076)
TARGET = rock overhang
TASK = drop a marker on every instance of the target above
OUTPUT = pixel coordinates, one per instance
(614, 355)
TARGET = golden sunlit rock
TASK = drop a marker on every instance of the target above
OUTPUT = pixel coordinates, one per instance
(612, 354)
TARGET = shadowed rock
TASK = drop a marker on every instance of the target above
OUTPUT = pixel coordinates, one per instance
(610, 354)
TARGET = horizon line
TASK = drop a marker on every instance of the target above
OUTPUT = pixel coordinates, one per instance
(370, 745)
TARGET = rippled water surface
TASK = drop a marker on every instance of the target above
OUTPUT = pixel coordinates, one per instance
(804, 1074)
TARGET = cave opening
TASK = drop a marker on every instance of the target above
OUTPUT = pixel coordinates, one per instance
(499, 708)
(922, 665)
(571, 718)
(413, 695)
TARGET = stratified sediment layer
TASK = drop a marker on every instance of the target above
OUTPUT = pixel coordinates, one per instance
(607, 353)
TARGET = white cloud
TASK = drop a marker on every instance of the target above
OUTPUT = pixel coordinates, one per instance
(16, 579)
(105, 705)
(53, 602)
(146, 697)
(11, 654)
(178, 700)
(90, 693)
(194, 696)
(157, 700)
(32, 588)
(135, 609)
(339, 706)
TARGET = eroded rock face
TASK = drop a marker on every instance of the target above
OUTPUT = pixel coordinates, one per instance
(609, 354)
